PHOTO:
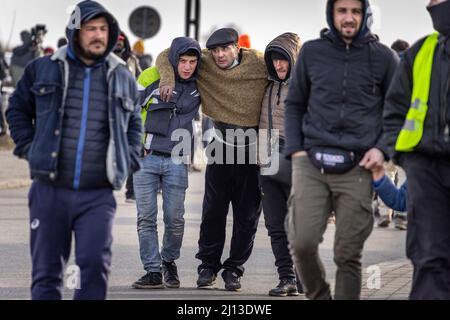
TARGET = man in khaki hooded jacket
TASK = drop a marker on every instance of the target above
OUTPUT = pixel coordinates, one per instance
(276, 174)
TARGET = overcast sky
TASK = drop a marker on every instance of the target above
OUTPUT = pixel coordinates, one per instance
(263, 20)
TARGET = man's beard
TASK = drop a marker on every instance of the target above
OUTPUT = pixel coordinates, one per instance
(347, 36)
(89, 55)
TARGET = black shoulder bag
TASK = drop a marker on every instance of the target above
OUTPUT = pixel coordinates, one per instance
(159, 116)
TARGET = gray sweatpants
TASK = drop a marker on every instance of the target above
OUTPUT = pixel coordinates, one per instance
(314, 196)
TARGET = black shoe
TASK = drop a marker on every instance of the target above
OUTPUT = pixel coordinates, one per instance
(170, 273)
(232, 280)
(152, 280)
(206, 278)
(286, 287)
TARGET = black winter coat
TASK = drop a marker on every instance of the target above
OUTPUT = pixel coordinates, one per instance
(337, 93)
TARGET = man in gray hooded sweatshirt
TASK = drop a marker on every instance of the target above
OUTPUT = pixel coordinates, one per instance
(276, 172)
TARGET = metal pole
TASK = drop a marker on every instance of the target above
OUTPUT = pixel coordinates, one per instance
(193, 18)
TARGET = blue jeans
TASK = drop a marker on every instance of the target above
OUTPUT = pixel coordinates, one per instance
(173, 178)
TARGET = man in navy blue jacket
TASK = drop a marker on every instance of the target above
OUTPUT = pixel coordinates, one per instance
(74, 117)
(164, 164)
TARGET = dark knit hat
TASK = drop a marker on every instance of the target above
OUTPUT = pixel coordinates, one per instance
(279, 55)
(222, 37)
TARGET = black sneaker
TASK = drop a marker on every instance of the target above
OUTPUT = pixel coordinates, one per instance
(152, 280)
(206, 278)
(286, 287)
(170, 273)
(232, 280)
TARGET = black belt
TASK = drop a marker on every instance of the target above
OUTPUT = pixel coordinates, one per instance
(158, 153)
(221, 126)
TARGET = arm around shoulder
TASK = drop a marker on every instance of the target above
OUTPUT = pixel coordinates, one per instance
(165, 69)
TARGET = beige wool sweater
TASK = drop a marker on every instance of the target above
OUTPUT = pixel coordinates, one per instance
(231, 96)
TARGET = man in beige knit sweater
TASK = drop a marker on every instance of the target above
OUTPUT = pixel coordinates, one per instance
(232, 83)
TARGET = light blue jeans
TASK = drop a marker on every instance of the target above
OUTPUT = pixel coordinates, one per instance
(173, 178)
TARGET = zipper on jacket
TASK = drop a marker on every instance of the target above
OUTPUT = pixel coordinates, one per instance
(344, 84)
(279, 93)
(83, 128)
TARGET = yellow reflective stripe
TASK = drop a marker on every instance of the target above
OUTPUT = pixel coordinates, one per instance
(412, 132)
(147, 78)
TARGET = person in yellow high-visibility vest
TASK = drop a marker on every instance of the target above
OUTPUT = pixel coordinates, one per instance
(416, 125)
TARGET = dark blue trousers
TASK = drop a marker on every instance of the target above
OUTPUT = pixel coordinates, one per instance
(56, 214)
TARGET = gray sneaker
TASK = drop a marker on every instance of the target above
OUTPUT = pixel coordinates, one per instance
(401, 223)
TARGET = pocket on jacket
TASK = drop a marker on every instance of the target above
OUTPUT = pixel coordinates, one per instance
(45, 97)
(371, 90)
(126, 104)
(124, 111)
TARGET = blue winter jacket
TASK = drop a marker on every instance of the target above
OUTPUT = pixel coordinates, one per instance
(36, 110)
(185, 97)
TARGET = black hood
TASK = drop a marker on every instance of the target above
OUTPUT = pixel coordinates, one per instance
(439, 15)
(126, 53)
(288, 44)
(89, 9)
(181, 45)
(365, 25)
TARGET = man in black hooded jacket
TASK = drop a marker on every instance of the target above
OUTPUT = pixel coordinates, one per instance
(333, 124)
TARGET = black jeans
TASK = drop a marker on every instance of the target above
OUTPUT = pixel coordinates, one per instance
(428, 235)
(225, 183)
(275, 196)
(129, 193)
